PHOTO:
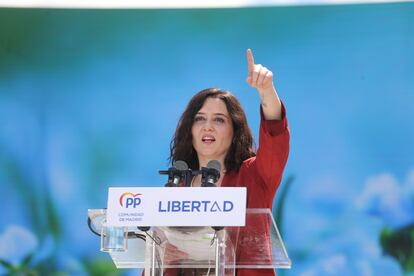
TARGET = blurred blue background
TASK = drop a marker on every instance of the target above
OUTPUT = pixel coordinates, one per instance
(90, 99)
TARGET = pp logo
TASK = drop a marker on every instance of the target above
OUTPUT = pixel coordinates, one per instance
(130, 200)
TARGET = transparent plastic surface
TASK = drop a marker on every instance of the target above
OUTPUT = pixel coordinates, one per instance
(129, 255)
(200, 250)
(257, 245)
(113, 239)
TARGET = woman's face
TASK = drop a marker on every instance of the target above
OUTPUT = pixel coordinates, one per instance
(212, 131)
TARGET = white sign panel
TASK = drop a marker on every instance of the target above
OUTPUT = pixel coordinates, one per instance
(181, 206)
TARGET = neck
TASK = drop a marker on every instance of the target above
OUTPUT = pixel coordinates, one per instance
(204, 161)
(196, 182)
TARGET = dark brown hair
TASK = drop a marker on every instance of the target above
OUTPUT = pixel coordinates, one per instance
(241, 148)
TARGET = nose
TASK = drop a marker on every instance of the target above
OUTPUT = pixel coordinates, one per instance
(208, 126)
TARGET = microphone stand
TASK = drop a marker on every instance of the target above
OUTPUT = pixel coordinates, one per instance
(188, 177)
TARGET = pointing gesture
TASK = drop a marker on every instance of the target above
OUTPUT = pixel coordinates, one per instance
(261, 78)
(258, 76)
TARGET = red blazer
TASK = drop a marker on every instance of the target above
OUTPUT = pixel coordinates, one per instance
(262, 175)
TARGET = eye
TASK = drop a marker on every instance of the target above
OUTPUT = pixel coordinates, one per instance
(199, 119)
(219, 120)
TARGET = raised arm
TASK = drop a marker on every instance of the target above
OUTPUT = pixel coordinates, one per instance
(261, 78)
(273, 150)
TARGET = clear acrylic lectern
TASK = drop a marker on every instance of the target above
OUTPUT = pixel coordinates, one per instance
(257, 245)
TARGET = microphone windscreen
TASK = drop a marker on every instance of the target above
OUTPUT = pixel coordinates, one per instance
(180, 165)
(214, 164)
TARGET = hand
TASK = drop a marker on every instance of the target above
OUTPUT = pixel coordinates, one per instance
(259, 76)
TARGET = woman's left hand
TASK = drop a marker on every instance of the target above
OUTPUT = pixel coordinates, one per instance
(259, 76)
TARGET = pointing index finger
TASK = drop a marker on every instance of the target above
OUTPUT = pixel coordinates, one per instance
(250, 61)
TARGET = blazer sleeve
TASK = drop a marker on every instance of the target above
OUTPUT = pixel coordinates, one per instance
(273, 151)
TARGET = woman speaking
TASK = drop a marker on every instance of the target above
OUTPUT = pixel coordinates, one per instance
(214, 127)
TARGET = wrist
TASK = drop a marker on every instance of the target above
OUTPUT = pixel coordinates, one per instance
(267, 94)
(265, 91)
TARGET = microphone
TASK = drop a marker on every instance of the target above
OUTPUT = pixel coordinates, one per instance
(210, 174)
(180, 168)
(176, 173)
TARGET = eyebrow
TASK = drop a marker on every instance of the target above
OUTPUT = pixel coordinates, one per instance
(219, 114)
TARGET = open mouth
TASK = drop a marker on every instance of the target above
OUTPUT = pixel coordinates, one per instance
(208, 139)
